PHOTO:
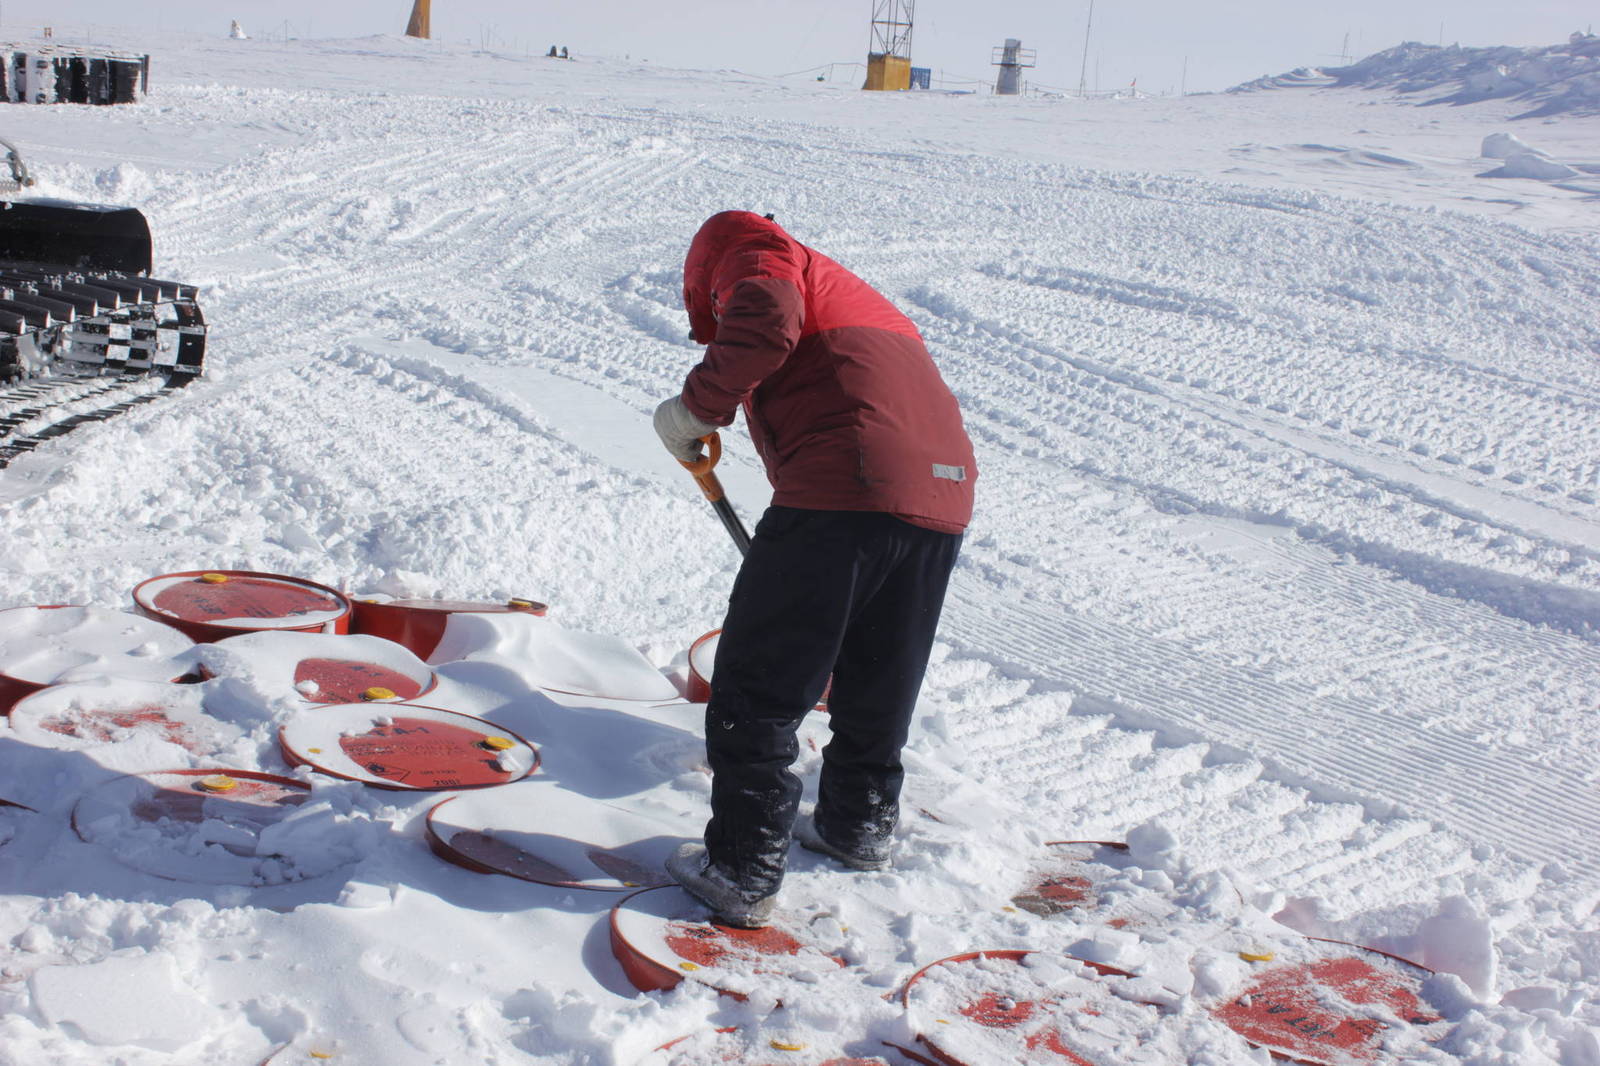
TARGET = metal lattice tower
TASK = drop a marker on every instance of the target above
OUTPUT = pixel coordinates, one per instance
(891, 28)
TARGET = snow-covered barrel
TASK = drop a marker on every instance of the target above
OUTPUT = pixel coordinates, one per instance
(702, 660)
(42, 646)
(209, 605)
(85, 715)
(320, 667)
(702, 654)
(419, 624)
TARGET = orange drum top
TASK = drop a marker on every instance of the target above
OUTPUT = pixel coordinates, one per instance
(212, 604)
(405, 746)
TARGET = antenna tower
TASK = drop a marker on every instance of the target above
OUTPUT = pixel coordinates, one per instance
(889, 53)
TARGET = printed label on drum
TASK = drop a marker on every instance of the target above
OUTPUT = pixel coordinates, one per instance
(425, 754)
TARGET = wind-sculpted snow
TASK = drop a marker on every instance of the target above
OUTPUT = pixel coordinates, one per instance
(1559, 79)
(1288, 537)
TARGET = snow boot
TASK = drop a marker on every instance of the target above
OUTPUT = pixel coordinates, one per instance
(693, 869)
(866, 859)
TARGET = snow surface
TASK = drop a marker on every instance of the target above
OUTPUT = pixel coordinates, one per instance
(1286, 564)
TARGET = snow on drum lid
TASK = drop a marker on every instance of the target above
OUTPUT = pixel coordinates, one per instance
(419, 624)
(548, 656)
(759, 1048)
(42, 646)
(87, 714)
(322, 667)
(1027, 1007)
(1099, 881)
(403, 746)
(1325, 1005)
(213, 604)
(221, 827)
(662, 936)
(531, 831)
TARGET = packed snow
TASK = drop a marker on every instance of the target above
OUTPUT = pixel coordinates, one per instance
(1285, 570)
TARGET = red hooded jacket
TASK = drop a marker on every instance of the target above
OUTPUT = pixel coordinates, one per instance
(843, 401)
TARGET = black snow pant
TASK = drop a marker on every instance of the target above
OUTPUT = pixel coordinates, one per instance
(851, 594)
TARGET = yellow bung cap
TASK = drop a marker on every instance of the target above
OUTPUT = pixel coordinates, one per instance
(218, 783)
(378, 692)
(521, 604)
(1257, 956)
(320, 1054)
(497, 743)
(779, 1045)
(315, 751)
(214, 578)
(687, 966)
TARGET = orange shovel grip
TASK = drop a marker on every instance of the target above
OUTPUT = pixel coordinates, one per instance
(701, 468)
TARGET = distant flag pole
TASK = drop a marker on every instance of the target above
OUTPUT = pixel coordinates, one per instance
(1083, 76)
(419, 20)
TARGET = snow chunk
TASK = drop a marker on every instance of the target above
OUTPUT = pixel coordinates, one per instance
(138, 1000)
(1529, 165)
(1458, 940)
(1506, 145)
(1152, 846)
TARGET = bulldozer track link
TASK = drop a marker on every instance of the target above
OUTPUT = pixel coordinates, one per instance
(83, 346)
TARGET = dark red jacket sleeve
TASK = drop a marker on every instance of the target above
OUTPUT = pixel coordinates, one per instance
(758, 330)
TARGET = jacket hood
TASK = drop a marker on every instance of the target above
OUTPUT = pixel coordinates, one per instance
(718, 237)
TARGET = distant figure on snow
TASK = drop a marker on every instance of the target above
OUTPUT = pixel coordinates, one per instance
(552, 53)
(564, 52)
(872, 476)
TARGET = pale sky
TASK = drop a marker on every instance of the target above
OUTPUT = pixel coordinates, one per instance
(1151, 40)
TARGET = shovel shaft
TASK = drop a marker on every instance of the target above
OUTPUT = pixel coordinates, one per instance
(711, 488)
(735, 528)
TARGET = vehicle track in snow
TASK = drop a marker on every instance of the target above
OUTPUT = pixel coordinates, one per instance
(1221, 375)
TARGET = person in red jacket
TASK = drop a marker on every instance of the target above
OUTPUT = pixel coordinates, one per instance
(872, 476)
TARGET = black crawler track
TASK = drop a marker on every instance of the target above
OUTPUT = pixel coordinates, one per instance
(44, 409)
(83, 346)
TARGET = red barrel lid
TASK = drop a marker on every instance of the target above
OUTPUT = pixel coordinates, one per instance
(42, 646)
(418, 624)
(404, 746)
(213, 604)
(323, 668)
(88, 714)
(1077, 877)
(757, 1047)
(984, 1007)
(662, 936)
(523, 830)
(207, 826)
(1313, 1003)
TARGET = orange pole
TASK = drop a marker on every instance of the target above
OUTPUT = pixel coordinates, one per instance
(418, 26)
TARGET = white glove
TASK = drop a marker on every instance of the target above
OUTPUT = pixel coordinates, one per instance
(680, 430)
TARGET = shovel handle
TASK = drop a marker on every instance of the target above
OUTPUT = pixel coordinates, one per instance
(711, 488)
(701, 468)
